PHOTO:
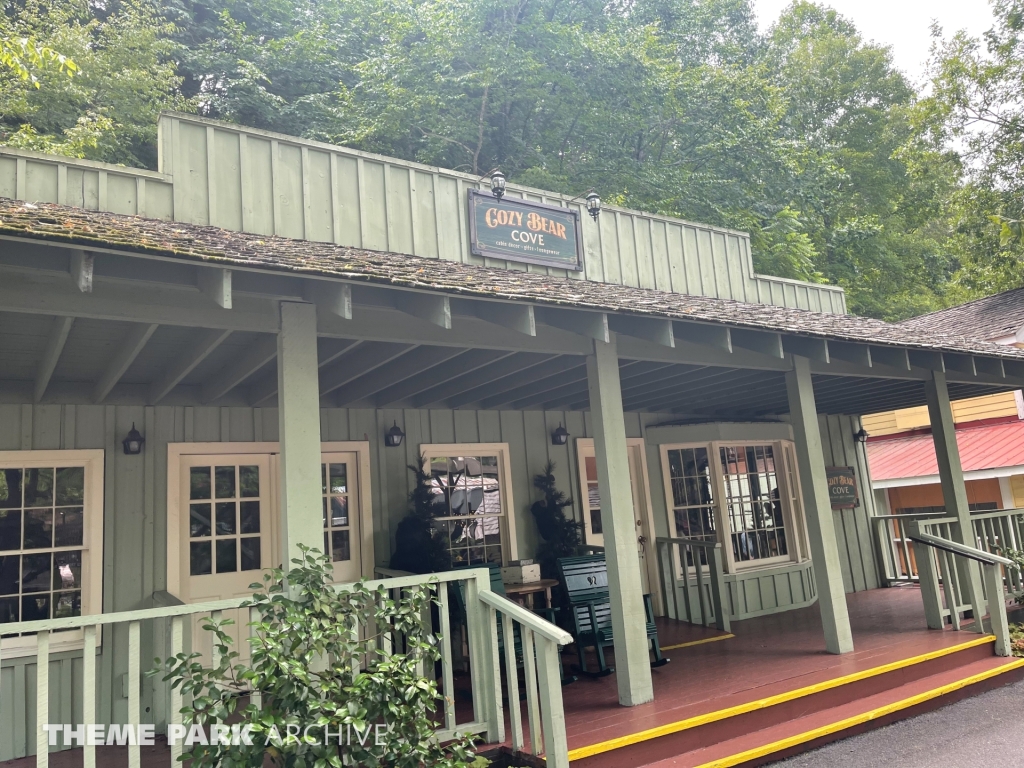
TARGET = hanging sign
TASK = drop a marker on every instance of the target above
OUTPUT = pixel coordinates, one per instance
(842, 487)
(522, 230)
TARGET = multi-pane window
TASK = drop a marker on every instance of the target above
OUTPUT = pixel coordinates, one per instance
(42, 537)
(753, 502)
(224, 519)
(693, 505)
(334, 486)
(593, 496)
(469, 491)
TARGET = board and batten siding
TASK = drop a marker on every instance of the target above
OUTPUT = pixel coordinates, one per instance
(250, 180)
(135, 527)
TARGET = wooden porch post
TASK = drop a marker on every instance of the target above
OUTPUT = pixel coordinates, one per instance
(821, 528)
(629, 622)
(299, 424)
(951, 476)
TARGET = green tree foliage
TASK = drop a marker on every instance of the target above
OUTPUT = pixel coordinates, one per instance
(560, 535)
(419, 546)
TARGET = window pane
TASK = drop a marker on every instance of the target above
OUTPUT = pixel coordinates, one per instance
(339, 479)
(8, 610)
(10, 572)
(339, 511)
(340, 546)
(595, 521)
(39, 487)
(227, 556)
(199, 520)
(68, 571)
(35, 607)
(68, 528)
(251, 554)
(10, 528)
(225, 477)
(199, 483)
(38, 528)
(67, 604)
(753, 504)
(70, 486)
(35, 573)
(225, 518)
(249, 481)
(250, 513)
(10, 488)
(199, 558)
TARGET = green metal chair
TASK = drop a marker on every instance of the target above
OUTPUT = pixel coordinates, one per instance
(586, 585)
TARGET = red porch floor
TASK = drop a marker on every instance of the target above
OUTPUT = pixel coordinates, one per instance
(764, 657)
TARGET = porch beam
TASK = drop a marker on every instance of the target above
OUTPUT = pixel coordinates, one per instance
(894, 357)
(543, 378)
(435, 308)
(359, 362)
(705, 393)
(858, 354)
(299, 429)
(215, 283)
(818, 508)
(238, 370)
(990, 366)
(806, 346)
(632, 663)
(705, 334)
(951, 476)
(466, 362)
(927, 358)
(653, 329)
(629, 370)
(518, 317)
(592, 325)
(59, 330)
(961, 363)
(327, 350)
(82, 265)
(552, 388)
(128, 351)
(458, 389)
(329, 296)
(406, 366)
(763, 342)
(197, 351)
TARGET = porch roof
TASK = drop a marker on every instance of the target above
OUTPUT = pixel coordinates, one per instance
(84, 228)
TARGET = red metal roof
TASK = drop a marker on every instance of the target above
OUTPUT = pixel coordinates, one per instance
(983, 447)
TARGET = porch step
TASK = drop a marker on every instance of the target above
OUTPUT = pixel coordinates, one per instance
(765, 729)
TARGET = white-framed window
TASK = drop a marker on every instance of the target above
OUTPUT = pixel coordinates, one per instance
(51, 540)
(473, 483)
(743, 494)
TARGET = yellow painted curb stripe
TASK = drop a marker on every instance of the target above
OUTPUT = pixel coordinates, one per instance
(874, 714)
(696, 642)
(770, 701)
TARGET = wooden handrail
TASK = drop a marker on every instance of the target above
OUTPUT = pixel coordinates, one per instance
(980, 556)
(528, 619)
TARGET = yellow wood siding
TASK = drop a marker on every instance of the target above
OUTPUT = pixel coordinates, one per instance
(973, 409)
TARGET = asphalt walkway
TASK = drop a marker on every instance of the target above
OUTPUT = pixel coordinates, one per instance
(986, 730)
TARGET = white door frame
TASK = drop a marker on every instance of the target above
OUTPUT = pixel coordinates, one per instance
(176, 450)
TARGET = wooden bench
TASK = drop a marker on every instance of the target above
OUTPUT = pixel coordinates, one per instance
(586, 585)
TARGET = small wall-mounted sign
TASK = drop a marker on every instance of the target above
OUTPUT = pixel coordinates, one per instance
(522, 230)
(842, 487)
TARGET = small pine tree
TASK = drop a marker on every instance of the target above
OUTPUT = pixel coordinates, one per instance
(418, 547)
(560, 534)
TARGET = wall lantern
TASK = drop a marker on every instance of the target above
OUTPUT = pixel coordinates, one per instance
(594, 205)
(133, 442)
(393, 437)
(861, 436)
(560, 436)
(498, 185)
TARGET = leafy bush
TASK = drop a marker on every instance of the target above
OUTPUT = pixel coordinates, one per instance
(560, 534)
(313, 668)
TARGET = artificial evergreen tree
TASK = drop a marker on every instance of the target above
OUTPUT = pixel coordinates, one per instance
(560, 534)
(418, 547)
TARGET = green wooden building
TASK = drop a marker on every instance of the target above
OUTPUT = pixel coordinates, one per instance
(265, 310)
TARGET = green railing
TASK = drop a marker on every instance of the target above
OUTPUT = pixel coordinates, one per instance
(540, 641)
(693, 580)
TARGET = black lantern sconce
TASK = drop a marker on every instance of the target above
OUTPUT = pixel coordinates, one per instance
(133, 442)
(498, 185)
(593, 205)
(393, 437)
(861, 436)
(560, 436)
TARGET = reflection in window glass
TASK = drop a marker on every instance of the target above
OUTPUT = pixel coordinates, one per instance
(593, 495)
(693, 505)
(753, 503)
(468, 490)
(216, 527)
(334, 488)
